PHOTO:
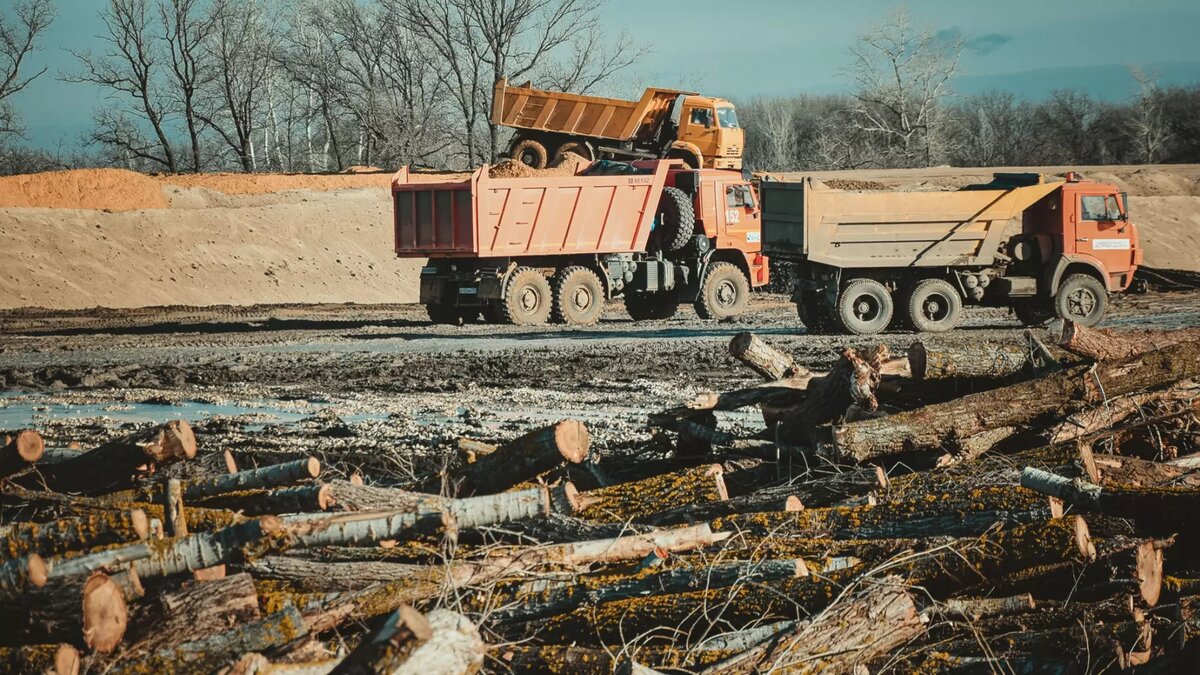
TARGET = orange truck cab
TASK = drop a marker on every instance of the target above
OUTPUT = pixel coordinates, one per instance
(527, 250)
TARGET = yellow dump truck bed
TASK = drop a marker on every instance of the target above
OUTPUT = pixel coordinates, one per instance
(527, 108)
(806, 220)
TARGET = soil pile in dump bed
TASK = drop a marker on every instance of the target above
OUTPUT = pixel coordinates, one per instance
(843, 184)
(102, 189)
(509, 168)
(259, 184)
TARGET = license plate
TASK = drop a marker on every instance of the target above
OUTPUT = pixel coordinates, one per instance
(468, 291)
(1110, 245)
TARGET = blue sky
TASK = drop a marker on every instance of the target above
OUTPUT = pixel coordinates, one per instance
(743, 48)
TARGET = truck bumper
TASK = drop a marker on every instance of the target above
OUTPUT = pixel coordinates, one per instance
(467, 287)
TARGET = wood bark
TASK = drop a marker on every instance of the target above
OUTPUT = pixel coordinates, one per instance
(299, 499)
(74, 534)
(237, 543)
(173, 508)
(762, 358)
(49, 659)
(112, 466)
(543, 598)
(1100, 344)
(23, 574)
(389, 646)
(23, 449)
(985, 360)
(88, 611)
(639, 500)
(1115, 412)
(262, 478)
(524, 458)
(1162, 509)
(852, 381)
(607, 551)
(1116, 470)
(210, 653)
(317, 576)
(347, 496)
(942, 427)
(197, 608)
(579, 660)
(470, 450)
(1099, 646)
(974, 609)
(454, 648)
(841, 640)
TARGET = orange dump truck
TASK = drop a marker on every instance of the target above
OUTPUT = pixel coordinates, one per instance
(528, 250)
(703, 132)
(867, 259)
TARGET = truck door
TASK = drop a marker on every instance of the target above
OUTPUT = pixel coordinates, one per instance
(1102, 231)
(741, 218)
(698, 125)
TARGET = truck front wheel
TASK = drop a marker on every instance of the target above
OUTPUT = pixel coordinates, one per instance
(578, 297)
(865, 307)
(724, 293)
(648, 306)
(1032, 313)
(1082, 299)
(933, 306)
(528, 298)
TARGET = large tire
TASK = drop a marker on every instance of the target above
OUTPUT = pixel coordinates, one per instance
(933, 306)
(1032, 313)
(578, 147)
(651, 306)
(493, 311)
(578, 297)
(676, 219)
(815, 315)
(1082, 299)
(688, 158)
(864, 307)
(443, 314)
(723, 293)
(527, 298)
(531, 153)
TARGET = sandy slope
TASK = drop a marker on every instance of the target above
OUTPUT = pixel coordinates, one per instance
(227, 239)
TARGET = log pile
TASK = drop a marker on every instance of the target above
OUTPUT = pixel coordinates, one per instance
(878, 524)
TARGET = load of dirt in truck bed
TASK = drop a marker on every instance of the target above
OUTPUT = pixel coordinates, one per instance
(508, 168)
(844, 184)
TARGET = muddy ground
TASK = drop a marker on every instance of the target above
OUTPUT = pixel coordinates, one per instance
(377, 388)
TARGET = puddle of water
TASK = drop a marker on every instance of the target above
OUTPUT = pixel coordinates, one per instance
(17, 414)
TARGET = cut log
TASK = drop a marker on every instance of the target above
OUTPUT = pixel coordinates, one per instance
(941, 427)
(23, 449)
(985, 360)
(524, 458)
(299, 499)
(230, 462)
(1115, 470)
(111, 466)
(88, 611)
(851, 381)
(974, 609)
(347, 496)
(275, 475)
(210, 653)
(841, 640)
(543, 598)
(1159, 509)
(470, 450)
(640, 499)
(234, 544)
(75, 534)
(1099, 646)
(1101, 344)
(317, 576)
(21, 575)
(173, 507)
(576, 660)
(454, 648)
(389, 646)
(608, 551)
(51, 659)
(762, 358)
(197, 608)
(1092, 422)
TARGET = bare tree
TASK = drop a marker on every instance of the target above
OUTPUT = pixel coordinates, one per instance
(1147, 118)
(993, 129)
(129, 70)
(771, 123)
(596, 57)
(310, 56)
(19, 32)
(185, 29)
(902, 73)
(1065, 124)
(241, 46)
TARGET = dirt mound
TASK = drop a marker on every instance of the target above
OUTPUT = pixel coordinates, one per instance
(844, 184)
(102, 189)
(508, 168)
(358, 168)
(259, 183)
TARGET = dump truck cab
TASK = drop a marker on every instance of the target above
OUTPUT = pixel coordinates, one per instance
(709, 134)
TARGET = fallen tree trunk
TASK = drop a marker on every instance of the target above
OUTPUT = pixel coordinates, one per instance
(20, 575)
(524, 458)
(1117, 471)
(1099, 646)
(197, 608)
(390, 645)
(1162, 509)
(985, 360)
(1100, 344)
(262, 478)
(639, 499)
(350, 497)
(762, 358)
(299, 499)
(453, 648)
(111, 466)
(608, 551)
(210, 653)
(19, 452)
(1116, 411)
(974, 609)
(851, 381)
(51, 659)
(317, 576)
(75, 534)
(942, 427)
(87, 611)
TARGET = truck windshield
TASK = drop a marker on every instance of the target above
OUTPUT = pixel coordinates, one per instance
(727, 117)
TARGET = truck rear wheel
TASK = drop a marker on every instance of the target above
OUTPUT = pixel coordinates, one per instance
(676, 219)
(531, 153)
(528, 298)
(815, 315)
(649, 306)
(452, 315)
(1082, 299)
(1033, 314)
(933, 306)
(724, 293)
(865, 307)
(577, 147)
(578, 297)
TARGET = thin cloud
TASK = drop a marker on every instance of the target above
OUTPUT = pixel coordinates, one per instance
(981, 45)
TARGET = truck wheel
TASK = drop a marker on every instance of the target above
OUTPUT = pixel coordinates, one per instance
(815, 315)
(688, 158)
(864, 307)
(578, 147)
(648, 306)
(1033, 314)
(527, 299)
(933, 306)
(578, 297)
(493, 311)
(531, 153)
(724, 293)
(676, 220)
(1082, 299)
(443, 314)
